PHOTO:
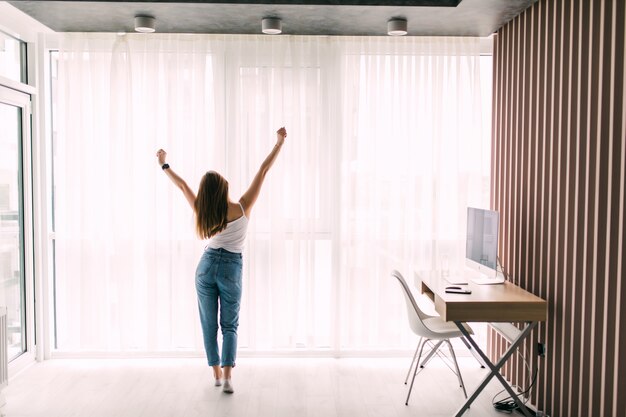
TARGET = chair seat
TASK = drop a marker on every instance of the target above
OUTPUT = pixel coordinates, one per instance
(445, 329)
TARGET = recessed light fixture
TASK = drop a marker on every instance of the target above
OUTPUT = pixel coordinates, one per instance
(396, 27)
(145, 24)
(271, 26)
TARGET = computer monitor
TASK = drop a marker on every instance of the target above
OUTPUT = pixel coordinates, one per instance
(481, 245)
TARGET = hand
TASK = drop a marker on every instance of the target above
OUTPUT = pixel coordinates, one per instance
(281, 134)
(161, 154)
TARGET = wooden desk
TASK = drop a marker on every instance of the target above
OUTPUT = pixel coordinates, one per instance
(498, 304)
(487, 303)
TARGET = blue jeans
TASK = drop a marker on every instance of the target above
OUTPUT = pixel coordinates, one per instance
(218, 277)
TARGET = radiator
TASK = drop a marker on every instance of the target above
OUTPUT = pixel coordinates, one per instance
(4, 357)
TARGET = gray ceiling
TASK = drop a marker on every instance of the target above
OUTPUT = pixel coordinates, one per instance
(321, 17)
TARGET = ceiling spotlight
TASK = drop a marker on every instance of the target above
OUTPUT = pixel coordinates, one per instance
(144, 24)
(396, 27)
(271, 26)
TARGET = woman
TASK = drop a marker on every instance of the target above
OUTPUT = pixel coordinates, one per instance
(218, 276)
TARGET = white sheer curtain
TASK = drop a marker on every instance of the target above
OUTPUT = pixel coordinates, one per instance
(124, 240)
(270, 82)
(385, 150)
(415, 154)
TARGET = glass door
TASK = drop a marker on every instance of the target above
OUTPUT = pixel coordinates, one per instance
(15, 123)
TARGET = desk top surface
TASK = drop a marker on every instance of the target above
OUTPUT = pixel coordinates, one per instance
(487, 303)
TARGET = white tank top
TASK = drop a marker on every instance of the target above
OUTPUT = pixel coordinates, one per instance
(233, 237)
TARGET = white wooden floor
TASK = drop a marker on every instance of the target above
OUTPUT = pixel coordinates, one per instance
(263, 387)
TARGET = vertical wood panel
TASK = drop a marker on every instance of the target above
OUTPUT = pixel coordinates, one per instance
(606, 297)
(558, 155)
(552, 192)
(561, 212)
(539, 70)
(571, 136)
(575, 224)
(521, 371)
(517, 369)
(593, 355)
(619, 401)
(584, 88)
(531, 283)
(543, 224)
(619, 172)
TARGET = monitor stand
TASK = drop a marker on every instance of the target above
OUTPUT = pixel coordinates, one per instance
(485, 280)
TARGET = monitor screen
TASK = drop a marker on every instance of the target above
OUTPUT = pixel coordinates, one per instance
(481, 247)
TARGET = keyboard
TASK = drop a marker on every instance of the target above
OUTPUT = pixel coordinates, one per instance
(456, 280)
(488, 281)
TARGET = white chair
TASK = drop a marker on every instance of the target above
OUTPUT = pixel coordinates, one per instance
(430, 329)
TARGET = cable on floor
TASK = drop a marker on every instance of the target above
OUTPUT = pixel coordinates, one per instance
(507, 404)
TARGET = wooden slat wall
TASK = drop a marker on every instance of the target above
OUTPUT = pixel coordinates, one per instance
(558, 181)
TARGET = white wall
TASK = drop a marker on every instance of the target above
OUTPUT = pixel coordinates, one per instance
(20, 25)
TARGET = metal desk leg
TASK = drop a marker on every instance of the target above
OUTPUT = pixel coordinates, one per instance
(494, 369)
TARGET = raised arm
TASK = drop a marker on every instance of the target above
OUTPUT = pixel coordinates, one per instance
(190, 196)
(248, 199)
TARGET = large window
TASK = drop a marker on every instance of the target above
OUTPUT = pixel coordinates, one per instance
(292, 222)
(12, 267)
(388, 144)
(12, 58)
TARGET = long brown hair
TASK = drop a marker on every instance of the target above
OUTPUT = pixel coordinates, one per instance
(211, 205)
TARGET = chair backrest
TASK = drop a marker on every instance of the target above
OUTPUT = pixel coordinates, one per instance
(415, 314)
